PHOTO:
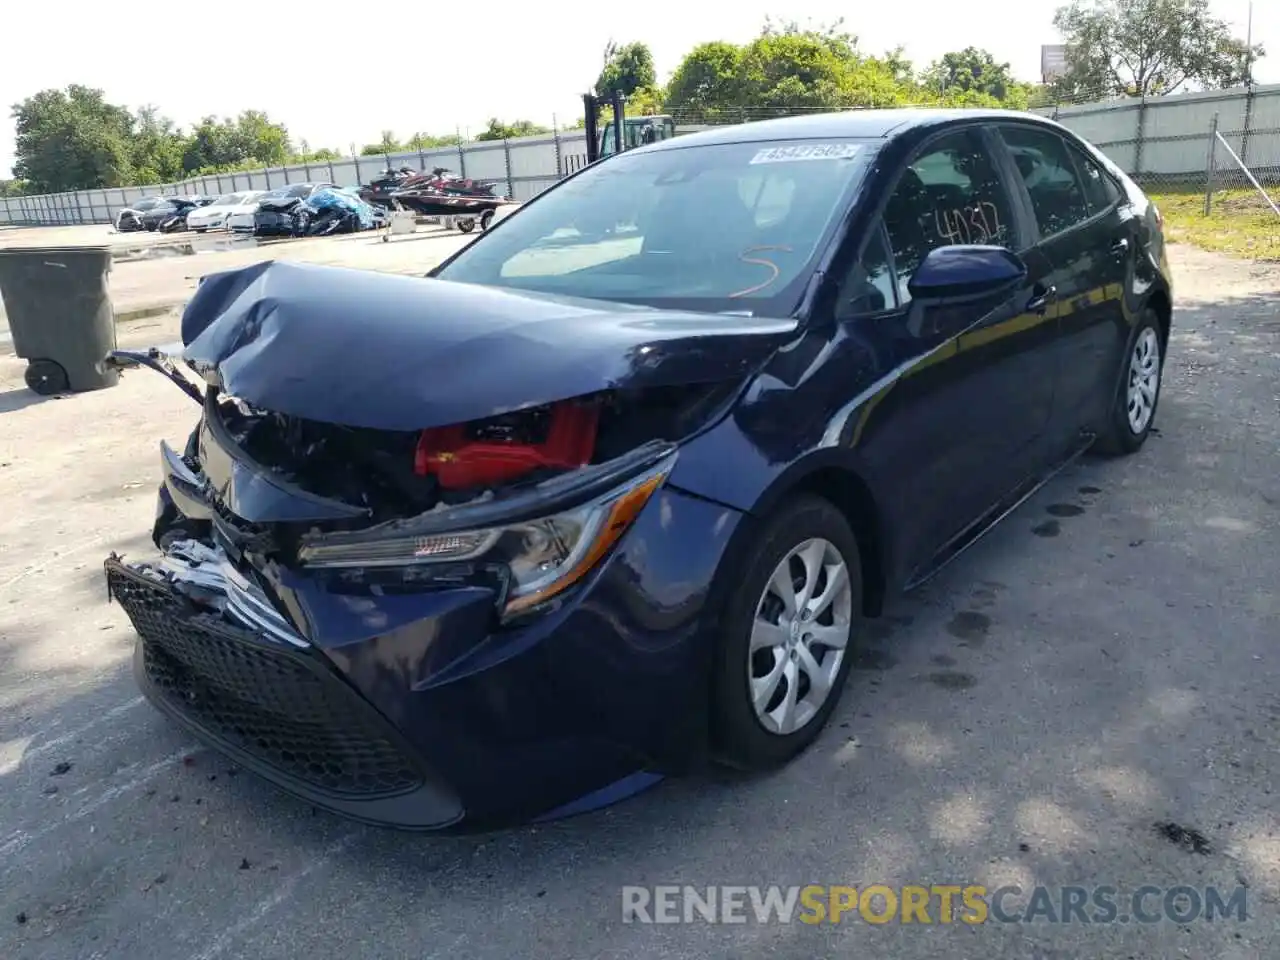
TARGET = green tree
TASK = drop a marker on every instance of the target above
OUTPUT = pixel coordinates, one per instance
(788, 67)
(497, 130)
(968, 70)
(388, 144)
(156, 148)
(12, 188)
(1143, 48)
(627, 68)
(708, 80)
(252, 136)
(430, 141)
(262, 139)
(72, 140)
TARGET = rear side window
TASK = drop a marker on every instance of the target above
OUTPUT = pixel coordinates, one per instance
(1099, 189)
(1058, 198)
(950, 194)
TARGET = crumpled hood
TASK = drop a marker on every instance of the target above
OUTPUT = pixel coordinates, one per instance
(278, 204)
(388, 352)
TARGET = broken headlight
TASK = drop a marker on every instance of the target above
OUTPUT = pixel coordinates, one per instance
(545, 556)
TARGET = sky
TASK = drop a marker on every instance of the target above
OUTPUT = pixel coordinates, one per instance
(340, 76)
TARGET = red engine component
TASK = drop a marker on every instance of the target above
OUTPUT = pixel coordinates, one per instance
(492, 452)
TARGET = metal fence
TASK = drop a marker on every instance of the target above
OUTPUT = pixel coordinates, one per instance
(524, 167)
(1172, 143)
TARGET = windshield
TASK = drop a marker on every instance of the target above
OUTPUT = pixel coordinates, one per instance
(717, 227)
(301, 190)
(227, 200)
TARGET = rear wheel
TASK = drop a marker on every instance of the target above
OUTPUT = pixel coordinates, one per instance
(783, 656)
(1138, 391)
(486, 218)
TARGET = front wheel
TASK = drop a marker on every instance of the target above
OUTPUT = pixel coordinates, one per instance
(784, 654)
(466, 224)
(1138, 391)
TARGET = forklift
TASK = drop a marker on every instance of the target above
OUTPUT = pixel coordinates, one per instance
(622, 132)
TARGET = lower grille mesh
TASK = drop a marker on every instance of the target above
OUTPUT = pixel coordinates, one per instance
(278, 705)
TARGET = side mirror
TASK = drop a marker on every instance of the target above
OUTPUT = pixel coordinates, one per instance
(967, 272)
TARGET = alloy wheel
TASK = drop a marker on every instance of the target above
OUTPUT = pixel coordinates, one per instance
(799, 636)
(1144, 380)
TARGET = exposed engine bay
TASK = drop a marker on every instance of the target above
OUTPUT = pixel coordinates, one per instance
(396, 474)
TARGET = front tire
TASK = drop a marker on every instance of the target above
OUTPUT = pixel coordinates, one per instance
(1133, 410)
(784, 653)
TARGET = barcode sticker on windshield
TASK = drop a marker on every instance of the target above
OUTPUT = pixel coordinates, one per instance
(807, 151)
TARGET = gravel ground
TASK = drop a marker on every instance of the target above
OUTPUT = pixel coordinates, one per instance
(1103, 662)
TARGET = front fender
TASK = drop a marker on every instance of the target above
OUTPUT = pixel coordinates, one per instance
(762, 473)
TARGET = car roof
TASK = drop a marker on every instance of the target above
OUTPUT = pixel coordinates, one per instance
(856, 124)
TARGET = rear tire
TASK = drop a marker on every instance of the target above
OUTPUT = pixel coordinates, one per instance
(1137, 392)
(775, 684)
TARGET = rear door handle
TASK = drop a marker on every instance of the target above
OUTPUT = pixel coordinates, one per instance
(1040, 301)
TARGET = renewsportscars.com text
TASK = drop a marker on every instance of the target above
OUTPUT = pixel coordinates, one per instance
(935, 904)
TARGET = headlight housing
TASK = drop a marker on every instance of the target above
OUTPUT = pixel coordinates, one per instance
(544, 556)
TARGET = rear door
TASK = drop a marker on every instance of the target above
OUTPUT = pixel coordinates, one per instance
(951, 431)
(1088, 236)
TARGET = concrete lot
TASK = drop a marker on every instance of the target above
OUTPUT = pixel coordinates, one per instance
(1105, 660)
(153, 273)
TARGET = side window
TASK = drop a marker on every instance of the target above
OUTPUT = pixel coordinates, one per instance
(1099, 191)
(869, 286)
(950, 194)
(1058, 198)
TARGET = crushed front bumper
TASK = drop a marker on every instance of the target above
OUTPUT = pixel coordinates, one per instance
(415, 710)
(213, 654)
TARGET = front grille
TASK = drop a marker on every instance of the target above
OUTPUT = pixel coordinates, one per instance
(278, 705)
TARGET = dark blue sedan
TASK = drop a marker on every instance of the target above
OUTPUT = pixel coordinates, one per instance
(612, 491)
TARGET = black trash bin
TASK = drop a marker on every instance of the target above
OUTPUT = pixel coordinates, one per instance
(60, 315)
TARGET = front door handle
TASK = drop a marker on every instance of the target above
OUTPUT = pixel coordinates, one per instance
(1039, 302)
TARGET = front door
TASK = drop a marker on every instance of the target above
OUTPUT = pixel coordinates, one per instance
(970, 390)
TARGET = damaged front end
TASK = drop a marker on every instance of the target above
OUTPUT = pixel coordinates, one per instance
(344, 556)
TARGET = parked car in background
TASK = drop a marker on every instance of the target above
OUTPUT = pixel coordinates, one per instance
(278, 201)
(215, 215)
(171, 215)
(614, 490)
(275, 214)
(129, 219)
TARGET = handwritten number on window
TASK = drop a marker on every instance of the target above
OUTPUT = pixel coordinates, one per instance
(978, 223)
